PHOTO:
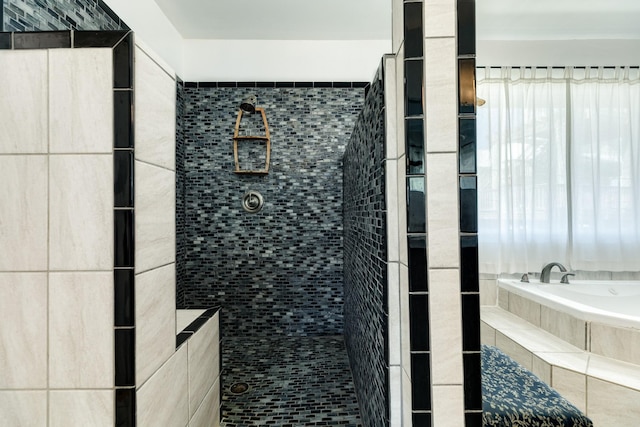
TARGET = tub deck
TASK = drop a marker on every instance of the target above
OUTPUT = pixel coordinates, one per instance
(607, 390)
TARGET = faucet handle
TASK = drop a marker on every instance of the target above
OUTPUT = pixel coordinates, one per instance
(525, 278)
(565, 278)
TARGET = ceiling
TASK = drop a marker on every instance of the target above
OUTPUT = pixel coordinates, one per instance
(371, 19)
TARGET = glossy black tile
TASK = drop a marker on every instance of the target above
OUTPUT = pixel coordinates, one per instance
(124, 297)
(417, 264)
(304, 84)
(421, 419)
(468, 204)
(122, 119)
(194, 326)
(471, 322)
(414, 145)
(125, 351)
(207, 84)
(420, 382)
(467, 86)
(5, 40)
(341, 84)
(361, 84)
(123, 63)
(125, 407)
(182, 337)
(415, 205)
(123, 179)
(419, 322)
(322, 84)
(246, 84)
(413, 31)
(467, 145)
(97, 38)
(210, 312)
(473, 419)
(466, 27)
(194, 84)
(285, 84)
(123, 238)
(42, 40)
(413, 87)
(469, 279)
(265, 84)
(227, 84)
(472, 381)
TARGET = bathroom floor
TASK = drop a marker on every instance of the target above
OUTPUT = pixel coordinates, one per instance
(293, 381)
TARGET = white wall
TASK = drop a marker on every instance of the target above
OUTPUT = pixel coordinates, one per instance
(250, 60)
(557, 52)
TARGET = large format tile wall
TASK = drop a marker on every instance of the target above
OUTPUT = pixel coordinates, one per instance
(434, 43)
(89, 318)
(47, 15)
(57, 281)
(365, 258)
(278, 271)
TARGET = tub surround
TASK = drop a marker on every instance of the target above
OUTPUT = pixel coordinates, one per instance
(612, 335)
(607, 390)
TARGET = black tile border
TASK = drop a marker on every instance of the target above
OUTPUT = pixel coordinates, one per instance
(275, 84)
(195, 325)
(121, 41)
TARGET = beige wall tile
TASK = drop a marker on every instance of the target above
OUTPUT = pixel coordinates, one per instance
(164, 399)
(514, 350)
(23, 408)
(441, 95)
(204, 361)
(488, 292)
(394, 313)
(541, 369)
(81, 212)
(23, 213)
(81, 100)
(571, 385)
(612, 405)
(208, 414)
(440, 18)
(487, 334)
(155, 320)
(81, 332)
(524, 308)
(564, 326)
(155, 227)
(448, 405)
(442, 199)
(24, 92)
(81, 408)
(445, 326)
(155, 110)
(617, 343)
(23, 330)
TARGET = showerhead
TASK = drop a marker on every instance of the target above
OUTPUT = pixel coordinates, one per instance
(249, 104)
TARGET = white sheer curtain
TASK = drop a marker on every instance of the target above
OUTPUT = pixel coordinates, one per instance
(558, 169)
(605, 169)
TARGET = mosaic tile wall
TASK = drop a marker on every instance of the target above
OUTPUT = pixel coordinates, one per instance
(278, 271)
(365, 267)
(180, 196)
(47, 15)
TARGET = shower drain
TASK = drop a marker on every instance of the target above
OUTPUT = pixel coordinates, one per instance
(239, 388)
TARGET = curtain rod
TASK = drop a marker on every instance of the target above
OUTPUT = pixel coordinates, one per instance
(562, 67)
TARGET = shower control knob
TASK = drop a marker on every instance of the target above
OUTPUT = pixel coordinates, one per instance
(252, 201)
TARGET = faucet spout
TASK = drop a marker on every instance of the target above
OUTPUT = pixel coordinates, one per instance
(545, 275)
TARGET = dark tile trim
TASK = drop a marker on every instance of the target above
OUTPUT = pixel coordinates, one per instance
(194, 326)
(332, 85)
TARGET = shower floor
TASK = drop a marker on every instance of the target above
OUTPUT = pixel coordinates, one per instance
(293, 381)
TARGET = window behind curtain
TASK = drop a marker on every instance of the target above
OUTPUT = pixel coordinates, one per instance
(559, 169)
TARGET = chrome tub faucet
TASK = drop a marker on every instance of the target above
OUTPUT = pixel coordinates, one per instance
(545, 275)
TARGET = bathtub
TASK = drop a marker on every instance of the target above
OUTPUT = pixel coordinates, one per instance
(599, 317)
(613, 303)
